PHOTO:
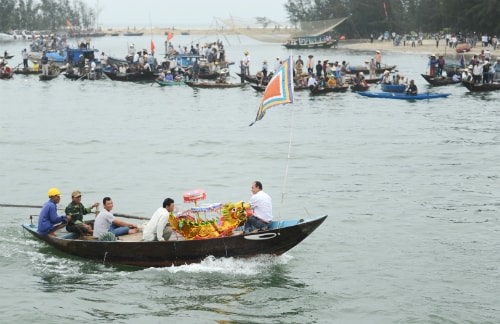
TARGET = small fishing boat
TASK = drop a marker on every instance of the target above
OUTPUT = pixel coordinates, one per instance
(481, 87)
(438, 81)
(262, 88)
(403, 96)
(321, 90)
(26, 71)
(47, 77)
(309, 42)
(96, 75)
(133, 33)
(138, 76)
(193, 239)
(392, 87)
(359, 87)
(214, 85)
(169, 83)
(253, 79)
(356, 69)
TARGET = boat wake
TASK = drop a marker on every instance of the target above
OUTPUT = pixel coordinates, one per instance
(233, 266)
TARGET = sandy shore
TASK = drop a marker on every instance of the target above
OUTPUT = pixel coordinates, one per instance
(269, 35)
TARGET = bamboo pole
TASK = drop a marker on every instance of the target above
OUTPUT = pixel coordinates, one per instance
(61, 208)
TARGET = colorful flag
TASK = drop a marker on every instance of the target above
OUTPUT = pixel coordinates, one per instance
(170, 35)
(279, 90)
(385, 9)
(152, 47)
(68, 23)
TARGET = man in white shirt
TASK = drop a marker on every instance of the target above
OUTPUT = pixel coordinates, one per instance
(158, 228)
(262, 206)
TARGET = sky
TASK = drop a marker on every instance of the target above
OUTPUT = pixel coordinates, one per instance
(195, 14)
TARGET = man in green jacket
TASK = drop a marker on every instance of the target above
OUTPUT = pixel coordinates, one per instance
(77, 210)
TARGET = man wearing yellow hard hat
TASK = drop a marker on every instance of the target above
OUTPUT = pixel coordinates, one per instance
(48, 220)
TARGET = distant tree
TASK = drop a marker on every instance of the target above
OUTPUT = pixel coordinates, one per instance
(6, 17)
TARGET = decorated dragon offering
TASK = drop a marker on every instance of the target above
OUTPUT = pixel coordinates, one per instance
(208, 220)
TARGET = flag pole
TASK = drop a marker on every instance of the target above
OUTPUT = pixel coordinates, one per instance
(292, 119)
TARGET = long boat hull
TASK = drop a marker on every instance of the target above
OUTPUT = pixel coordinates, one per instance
(356, 70)
(281, 237)
(169, 83)
(309, 46)
(481, 87)
(318, 90)
(403, 96)
(214, 85)
(133, 77)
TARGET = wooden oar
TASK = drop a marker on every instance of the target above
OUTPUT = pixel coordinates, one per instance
(61, 208)
(83, 76)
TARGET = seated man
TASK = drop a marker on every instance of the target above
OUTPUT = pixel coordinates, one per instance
(35, 66)
(262, 206)
(76, 210)
(412, 89)
(158, 228)
(106, 222)
(48, 220)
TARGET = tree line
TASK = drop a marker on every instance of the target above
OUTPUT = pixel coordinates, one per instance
(44, 14)
(400, 16)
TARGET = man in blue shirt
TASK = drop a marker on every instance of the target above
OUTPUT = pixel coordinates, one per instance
(48, 220)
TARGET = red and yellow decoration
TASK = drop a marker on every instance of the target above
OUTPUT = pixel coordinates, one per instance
(192, 227)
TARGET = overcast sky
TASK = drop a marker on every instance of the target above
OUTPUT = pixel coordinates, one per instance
(186, 14)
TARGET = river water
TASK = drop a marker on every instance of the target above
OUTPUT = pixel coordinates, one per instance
(411, 190)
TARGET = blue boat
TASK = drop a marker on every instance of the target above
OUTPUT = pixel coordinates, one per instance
(392, 87)
(403, 96)
(69, 55)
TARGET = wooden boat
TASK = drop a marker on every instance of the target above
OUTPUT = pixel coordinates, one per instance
(280, 237)
(403, 96)
(253, 79)
(392, 87)
(214, 85)
(438, 81)
(359, 87)
(87, 76)
(356, 69)
(320, 90)
(348, 79)
(26, 71)
(169, 83)
(52, 75)
(481, 87)
(309, 42)
(138, 76)
(133, 33)
(262, 88)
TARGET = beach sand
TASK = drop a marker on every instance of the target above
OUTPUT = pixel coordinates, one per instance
(428, 46)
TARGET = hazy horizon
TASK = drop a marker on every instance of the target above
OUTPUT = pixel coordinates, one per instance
(156, 14)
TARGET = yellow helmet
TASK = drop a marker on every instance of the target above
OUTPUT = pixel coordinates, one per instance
(245, 52)
(54, 192)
